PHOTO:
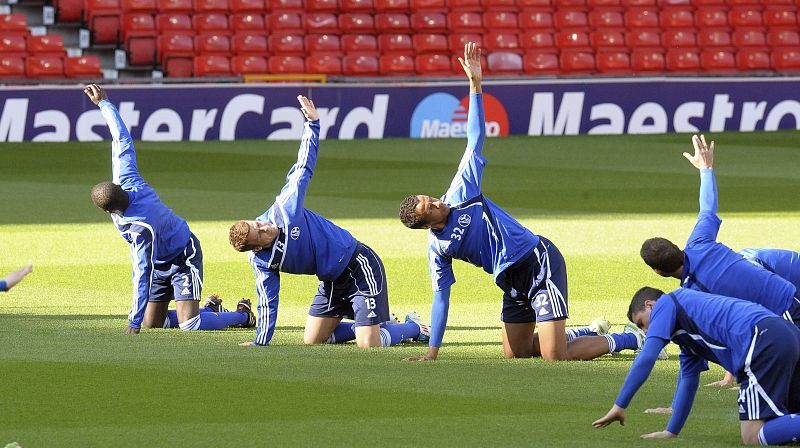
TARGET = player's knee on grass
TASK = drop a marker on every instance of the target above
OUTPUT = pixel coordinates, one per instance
(368, 336)
(749, 431)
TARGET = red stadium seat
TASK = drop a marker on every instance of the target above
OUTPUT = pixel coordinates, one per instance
(711, 17)
(500, 5)
(429, 22)
(396, 64)
(247, 22)
(668, 3)
(286, 22)
(362, 6)
(44, 67)
(465, 22)
(430, 43)
(641, 17)
(639, 3)
(572, 40)
(718, 61)
(506, 42)
(504, 63)
(392, 23)
(676, 17)
(356, 23)
(683, 60)
(428, 5)
(83, 67)
(780, 16)
(360, 65)
(331, 6)
(783, 38)
(607, 39)
(643, 38)
(212, 66)
(534, 4)
(753, 60)
(500, 21)
(679, 39)
(254, 44)
(139, 6)
(248, 65)
(13, 24)
(570, 18)
(559, 4)
(433, 65)
(251, 6)
(401, 6)
(536, 19)
(211, 23)
(593, 4)
(537, 40)
(578, 62)
(286, 65)
(702, 3)
(745, 16)
(395, 43)
(457, 41)
(175, 46)
(174, 24)
(212, 44)
(175, 6)
(139, 37)
(751, 38)
(324, 63)
(465, 5)
(12, 66)
(285, 6)
(102, 18)
(323, 43)
(286, 44)
(744, 3)
(647, 61)
(718, 39)
(211, 6)
(13, 45)
(321, 23)
(606, 18)
(68, 10)
(540, 63)
(47, 44)
(786, 60)
(360, 44)
(613, 62)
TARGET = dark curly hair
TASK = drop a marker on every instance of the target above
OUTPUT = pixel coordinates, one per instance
(408, 213)
(662, 254)
(110, 197)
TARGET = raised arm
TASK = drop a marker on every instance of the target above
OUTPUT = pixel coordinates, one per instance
(467, 181)
(15, 277)
(143, 249)
(268, 286)
(292, 197)
(708, 222)
(123, 156)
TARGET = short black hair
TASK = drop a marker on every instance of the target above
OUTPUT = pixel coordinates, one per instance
(637, 302)
(662, 254)
(110, 197)
(408, 213)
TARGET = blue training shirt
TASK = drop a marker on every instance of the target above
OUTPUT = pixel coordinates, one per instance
(156, 234)
(307, 242)
(785, 263)
(712, 267)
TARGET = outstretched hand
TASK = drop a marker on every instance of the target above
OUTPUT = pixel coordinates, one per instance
(472, 63)
(615, 414)
(95, 93)
(15, 277)
(703, 154)
(308, 109)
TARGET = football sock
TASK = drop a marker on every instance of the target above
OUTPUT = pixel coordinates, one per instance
(573, 333)
(214, 321)
(780, 430)
(393, 334)
(621, 341)
(343, 332)
(172, 317)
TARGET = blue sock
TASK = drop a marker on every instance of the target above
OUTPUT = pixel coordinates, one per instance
(621, 341)
(393, 334)
(172, 317)
(573, 333)
(214, 321)
(780, 430)
(343, 332)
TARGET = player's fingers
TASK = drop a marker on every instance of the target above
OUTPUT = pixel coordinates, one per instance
(688, 156)
(711, 147)
(703, 139)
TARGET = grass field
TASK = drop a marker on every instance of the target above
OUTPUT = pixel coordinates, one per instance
(71, 378)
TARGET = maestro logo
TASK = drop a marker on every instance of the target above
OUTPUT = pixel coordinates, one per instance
(442, 115)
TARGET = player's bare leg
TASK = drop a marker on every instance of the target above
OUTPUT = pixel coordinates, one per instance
(518, 339)
(155, 314)
(368, 336)
(319, 329)
(749, 430)
(187, 309)
(553, 340)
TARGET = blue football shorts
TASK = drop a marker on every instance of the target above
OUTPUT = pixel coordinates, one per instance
(181, 278)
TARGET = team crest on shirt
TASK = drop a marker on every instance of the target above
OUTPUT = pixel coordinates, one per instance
(295, 233)
(464, 220)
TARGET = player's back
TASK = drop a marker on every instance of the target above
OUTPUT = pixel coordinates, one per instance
(785, 263)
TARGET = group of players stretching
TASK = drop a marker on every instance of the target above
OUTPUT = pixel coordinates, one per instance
(738, 310)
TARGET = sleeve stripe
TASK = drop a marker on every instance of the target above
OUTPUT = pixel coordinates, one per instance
(138, 273)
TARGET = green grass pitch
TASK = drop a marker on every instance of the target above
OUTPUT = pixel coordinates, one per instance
(71, 378)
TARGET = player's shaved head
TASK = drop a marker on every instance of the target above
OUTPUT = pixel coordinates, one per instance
(408, 213)
(110, 197)
(237, 236)
(637, 303)
(662, 254)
